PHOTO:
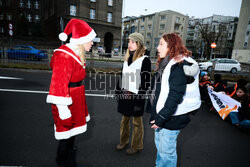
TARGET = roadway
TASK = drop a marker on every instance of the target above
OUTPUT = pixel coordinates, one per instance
(27, 137)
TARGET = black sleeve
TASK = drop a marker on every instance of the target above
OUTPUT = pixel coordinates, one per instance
(145, 74)
(177, 89)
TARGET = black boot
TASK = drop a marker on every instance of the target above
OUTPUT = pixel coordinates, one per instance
(72, 157)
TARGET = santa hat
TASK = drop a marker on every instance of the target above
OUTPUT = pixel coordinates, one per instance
(81, 32)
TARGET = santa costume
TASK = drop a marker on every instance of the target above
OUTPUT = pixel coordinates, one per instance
(67, 92)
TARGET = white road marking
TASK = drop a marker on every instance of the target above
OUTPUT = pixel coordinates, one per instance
(3, 77)
(46, 92)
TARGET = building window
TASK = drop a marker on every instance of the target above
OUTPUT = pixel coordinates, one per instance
(150, 18)
(29, 4)
(73, 10)
(29, 18)
(148, 43)
(21, 4)
(92, 0)
(109, 17)
(176, 27)
(149, 27)
(148, 35)
(92, 14)
(8, 3)
(9, 17)
(247, 33)
(37, 18)
(177, 20)
(36, 5)
(162, 26)
(110, 2)
(142, 28)
(143, 19)
(1, 30)
(1, 16)
(245, 44)
(163, 18)
(132, 29)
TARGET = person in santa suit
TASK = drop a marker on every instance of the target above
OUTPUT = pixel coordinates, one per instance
(67, 92)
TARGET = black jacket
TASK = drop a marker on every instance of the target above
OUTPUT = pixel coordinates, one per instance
(130, 104)
(177, 88)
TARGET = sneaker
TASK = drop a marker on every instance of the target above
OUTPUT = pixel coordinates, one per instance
(121, 146)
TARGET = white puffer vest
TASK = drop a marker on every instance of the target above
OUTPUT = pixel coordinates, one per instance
(131, 75)
(191, 99)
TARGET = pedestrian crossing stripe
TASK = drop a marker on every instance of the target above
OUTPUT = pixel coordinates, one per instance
(3, 77)
(44, 92)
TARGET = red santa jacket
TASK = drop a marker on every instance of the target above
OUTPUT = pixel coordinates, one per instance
(67, 68)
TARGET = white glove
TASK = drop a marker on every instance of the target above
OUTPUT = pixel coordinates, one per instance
(64, 112)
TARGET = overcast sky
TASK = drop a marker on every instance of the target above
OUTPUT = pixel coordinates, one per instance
(197, 8)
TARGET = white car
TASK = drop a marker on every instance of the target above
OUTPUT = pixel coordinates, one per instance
(221, 64)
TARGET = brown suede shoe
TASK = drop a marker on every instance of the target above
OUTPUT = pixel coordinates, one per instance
(121, 146)
(131, 151)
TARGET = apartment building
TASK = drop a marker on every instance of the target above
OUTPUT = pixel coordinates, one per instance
(153, 26)
(241, 50)
(23, 15)
(219, 29)
(104, 16)
(51, 16)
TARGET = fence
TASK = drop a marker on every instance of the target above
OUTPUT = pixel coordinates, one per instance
(28, 58)
(40, 59)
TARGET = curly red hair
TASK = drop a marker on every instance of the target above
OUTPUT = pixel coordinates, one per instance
(176, 48)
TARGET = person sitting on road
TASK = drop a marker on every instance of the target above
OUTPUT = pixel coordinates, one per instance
(203, 84)
(232, 89)
(242, 117)
(219, 84)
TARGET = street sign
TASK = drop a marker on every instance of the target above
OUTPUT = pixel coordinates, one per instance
(10, 26)
(11, 32)
(213, 45)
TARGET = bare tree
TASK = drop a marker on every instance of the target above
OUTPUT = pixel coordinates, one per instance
(210, 33)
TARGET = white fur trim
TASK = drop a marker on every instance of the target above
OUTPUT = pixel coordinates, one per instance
(88, 118)
(70, 133)
(191, 70)
(63, 36)
(62, 50)
(59, 100)
(63, 111)
(85, 39)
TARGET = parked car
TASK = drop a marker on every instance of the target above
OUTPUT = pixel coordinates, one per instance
(221, 64)
(100, 49)
(26, 52)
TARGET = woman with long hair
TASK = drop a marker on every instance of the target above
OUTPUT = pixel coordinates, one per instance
(175, 93)
(67, 92)
(135, 82)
